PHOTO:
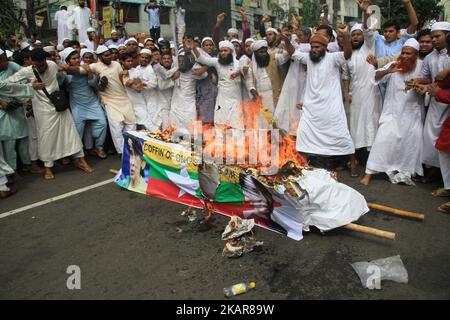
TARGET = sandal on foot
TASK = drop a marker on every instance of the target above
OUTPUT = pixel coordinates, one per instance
(441, 193)
(445, 208)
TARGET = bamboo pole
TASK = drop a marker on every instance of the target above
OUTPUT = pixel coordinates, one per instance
(402, 213)
(371, 231)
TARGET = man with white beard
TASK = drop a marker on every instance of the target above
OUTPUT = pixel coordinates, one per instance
(360, 92)
(228, 111)
(323, 133)
(397, 149)
(265, 78)
(183, 111)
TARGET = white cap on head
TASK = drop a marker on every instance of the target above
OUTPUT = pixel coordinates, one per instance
(121, 46)
(259, 44)
(233, 31)
(84, 51)
(49, 49)
(236, 41)
(149, 39)
(9, 54)
(90, 29)
(113, 46)
(101, 49)
(60, 47)
(250, 40)
(38, 42)
(113, 31)
(146, 51)
(441, 26)
(357, 27)
(130, 40)
(412, 43)
(207, 39)
(66, 53)
(272, 30)
(226, 44)
(83, 45)
(141, 45)
(172, 44)
(160, 39)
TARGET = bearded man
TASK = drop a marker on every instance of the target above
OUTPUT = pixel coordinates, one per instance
(323, 130)
(397, 150)
(264, 78)
(228, 111)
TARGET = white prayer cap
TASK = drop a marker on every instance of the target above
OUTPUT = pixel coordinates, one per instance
(233, 31)
(250, 40)
(141, 45)
(207, 39)
(236, 40)
(90, 29)
(84, 51)
(130, 40)
(9, 54)
(121, 46)
(272, 30)
(38, 42)
(259, 44)
(1, 52)
(146, 51)
(66, 53)
(149, 39)
(24, 45)
(83, 45)
(226, 44)
(357, 27)
(172, 44)
(160, 39)
(60, 47)
(49, 49)
(113, 31)
(441, 26)
(412, 43)
(113, 46)
(101, 49)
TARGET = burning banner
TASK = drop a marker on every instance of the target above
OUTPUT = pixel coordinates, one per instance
(287, 203)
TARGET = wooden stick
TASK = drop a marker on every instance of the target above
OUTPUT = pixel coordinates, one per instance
(402, 213)
(113, 171)
(371, 231)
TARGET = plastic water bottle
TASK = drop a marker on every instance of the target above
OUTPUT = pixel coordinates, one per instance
(238, 289)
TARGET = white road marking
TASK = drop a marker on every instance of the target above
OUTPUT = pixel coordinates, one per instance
(53, 199)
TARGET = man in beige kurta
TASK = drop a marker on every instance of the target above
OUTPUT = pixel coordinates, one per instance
(119, 109)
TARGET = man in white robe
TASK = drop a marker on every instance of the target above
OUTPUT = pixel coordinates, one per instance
(323, 130)
(437, 113)
(63, 29)
(228, 110)
(164, 74)
(361, 92)
(82, 22)
(57, 135)
(118, 107)
(264, 78)
(397, 149)
(183, 110)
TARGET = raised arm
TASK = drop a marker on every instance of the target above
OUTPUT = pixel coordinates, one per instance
(245, 25)
(216, 31)
(413, 20)
(348, 49)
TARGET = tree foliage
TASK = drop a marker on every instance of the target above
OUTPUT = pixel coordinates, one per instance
(426, 10)
(310, 13)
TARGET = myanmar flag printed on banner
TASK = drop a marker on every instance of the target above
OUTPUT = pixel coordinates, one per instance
(169, 171)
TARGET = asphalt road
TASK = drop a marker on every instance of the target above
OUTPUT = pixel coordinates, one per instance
(130, 246)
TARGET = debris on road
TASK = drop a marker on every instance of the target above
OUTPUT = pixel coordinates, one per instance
(373, 272)
(240, 237)
(238, 289)
(190, 213)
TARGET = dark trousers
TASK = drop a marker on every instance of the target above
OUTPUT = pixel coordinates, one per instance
(155, 33)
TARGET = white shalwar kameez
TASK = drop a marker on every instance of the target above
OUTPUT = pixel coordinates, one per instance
(323, 126)
(287, 115)
(164, 93)
(82, 22)
(228, 110)
(57, 135)
(437, 112)
(365, 109)
(148, 76)
(183, 110)
(397, 146)
(61, 17)
(137, 99)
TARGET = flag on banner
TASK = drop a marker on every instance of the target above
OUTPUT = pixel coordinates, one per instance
(169, 171)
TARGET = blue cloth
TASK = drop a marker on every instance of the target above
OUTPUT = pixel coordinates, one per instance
(86, 106)
(385, 49)
(153, 18)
